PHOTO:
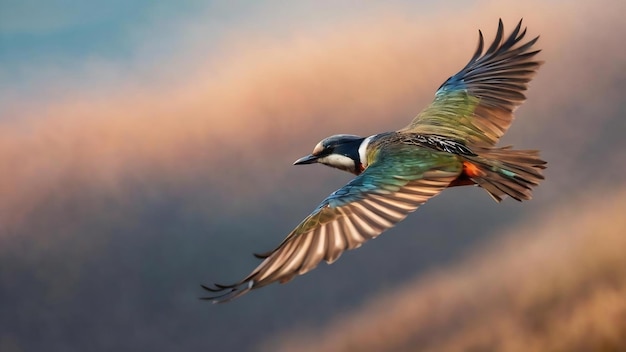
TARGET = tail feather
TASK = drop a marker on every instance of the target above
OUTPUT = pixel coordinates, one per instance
(507, 172)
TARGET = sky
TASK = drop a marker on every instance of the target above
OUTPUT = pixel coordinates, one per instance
(147, 148)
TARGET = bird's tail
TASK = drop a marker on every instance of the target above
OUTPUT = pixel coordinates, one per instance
(504, 171)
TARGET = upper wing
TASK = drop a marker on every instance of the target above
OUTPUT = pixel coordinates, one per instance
(476, 105)
(394, 185)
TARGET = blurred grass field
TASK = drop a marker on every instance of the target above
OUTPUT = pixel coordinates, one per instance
(556, 283)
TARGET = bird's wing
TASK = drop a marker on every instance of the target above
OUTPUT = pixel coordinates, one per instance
(394, 185)
(476, 105)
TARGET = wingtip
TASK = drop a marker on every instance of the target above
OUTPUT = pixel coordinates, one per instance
(218, 287)
(211, 289)
(227, 293)
(262, 255)
(211, 299)
(218, 298)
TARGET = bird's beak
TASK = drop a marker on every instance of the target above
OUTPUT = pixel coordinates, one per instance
(309, 159)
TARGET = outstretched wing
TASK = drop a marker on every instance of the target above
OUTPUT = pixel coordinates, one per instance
(476, 105)
(395, 184)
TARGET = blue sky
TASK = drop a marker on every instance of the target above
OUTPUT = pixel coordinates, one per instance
(42, 30)
(43, 43)
(35, 32)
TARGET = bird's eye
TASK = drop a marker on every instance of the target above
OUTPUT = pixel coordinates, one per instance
(327, 151)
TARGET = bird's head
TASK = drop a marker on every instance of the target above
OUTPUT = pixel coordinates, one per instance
(340, 151)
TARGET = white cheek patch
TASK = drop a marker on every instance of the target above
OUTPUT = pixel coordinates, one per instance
(363, 150)
(339, 161)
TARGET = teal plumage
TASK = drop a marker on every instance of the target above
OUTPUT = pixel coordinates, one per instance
(450, 143)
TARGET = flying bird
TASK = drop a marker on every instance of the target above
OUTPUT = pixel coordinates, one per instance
(452, 142)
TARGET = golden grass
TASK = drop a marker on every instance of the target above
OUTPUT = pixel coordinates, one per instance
(556, 284)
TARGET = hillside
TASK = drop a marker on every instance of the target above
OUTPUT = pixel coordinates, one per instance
(557, 284)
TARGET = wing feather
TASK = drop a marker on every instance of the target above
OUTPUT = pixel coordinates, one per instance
(476, 105)
(357, 212)
(336, 246)
(316, 253)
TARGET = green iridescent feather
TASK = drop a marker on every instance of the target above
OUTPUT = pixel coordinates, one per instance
(476, 105)
(392, 167)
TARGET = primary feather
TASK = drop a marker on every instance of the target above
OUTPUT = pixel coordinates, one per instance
(476, 105)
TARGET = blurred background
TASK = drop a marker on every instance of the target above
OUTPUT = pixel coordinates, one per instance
(146, 148)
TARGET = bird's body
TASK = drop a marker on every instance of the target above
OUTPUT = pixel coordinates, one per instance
(450, 143)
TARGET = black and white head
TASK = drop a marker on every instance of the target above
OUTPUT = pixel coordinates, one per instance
(342, 151)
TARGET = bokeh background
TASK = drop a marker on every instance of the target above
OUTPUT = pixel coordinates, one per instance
(146, 147)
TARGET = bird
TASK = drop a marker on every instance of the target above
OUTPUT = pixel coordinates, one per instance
(451, 143)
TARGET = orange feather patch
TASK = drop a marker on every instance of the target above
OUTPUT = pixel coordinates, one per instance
(471, 170)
